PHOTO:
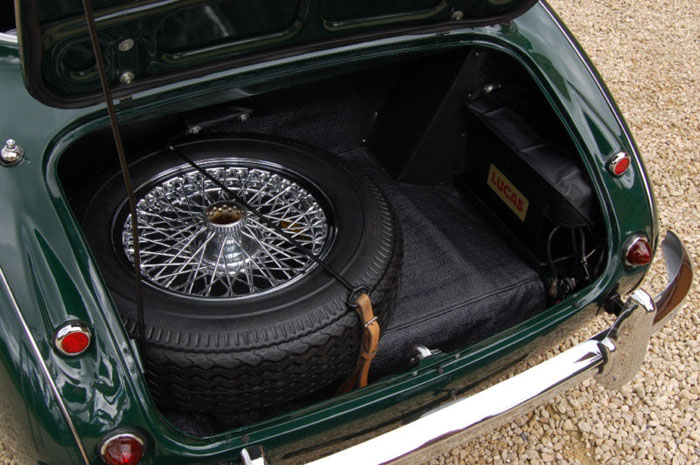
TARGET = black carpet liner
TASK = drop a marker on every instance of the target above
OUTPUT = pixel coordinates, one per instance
(460, 281)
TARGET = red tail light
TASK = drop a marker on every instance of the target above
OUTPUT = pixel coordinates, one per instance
(122, 449)
(72, 338)
(638, 252)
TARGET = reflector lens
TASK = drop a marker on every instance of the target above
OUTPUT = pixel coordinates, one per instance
(622, 166)
(125, 449)
(619, 163)
(639, 252)
(73, 338)
(74, 343)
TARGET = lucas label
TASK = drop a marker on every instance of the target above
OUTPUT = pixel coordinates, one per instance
(505, 189)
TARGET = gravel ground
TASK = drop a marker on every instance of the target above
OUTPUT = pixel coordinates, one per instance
(649, 55)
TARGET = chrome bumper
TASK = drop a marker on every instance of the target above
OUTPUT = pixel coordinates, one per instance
(613, 357)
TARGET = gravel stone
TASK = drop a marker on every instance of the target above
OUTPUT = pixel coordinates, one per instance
(649, 56)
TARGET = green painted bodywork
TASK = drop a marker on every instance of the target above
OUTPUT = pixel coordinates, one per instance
(54, 278)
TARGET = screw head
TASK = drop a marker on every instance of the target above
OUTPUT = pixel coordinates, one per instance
(10, 143)
(126, 45)
(127, 77)
(457, 15)
(244, 117)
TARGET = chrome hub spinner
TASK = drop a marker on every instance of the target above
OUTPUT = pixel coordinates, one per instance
(228, 245)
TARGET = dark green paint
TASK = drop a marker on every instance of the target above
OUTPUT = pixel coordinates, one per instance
(54, 278)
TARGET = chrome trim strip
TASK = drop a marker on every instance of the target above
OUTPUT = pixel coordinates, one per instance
(45, 370)
(628, 136)
(8, 38)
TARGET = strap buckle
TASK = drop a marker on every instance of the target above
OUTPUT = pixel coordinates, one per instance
(355, 294)
(371, 321)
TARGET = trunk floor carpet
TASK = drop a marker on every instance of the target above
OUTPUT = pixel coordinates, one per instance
(460, 281)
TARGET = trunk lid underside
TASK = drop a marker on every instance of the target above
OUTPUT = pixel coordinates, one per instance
(153, 42)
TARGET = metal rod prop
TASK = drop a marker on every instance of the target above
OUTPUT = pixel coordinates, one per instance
(92, 28)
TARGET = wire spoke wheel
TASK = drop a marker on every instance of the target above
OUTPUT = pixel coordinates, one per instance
(237, 320)
(198, 242)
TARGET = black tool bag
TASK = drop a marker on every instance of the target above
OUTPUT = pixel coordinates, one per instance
(528, 181)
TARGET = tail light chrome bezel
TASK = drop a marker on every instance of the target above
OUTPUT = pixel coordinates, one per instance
(619, 164)
(71, 330)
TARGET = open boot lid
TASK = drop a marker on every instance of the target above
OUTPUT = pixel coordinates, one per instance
(149, 43)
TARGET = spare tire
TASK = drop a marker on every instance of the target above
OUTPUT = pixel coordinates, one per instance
(236, 318)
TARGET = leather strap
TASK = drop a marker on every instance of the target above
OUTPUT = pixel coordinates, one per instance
(368, 347)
